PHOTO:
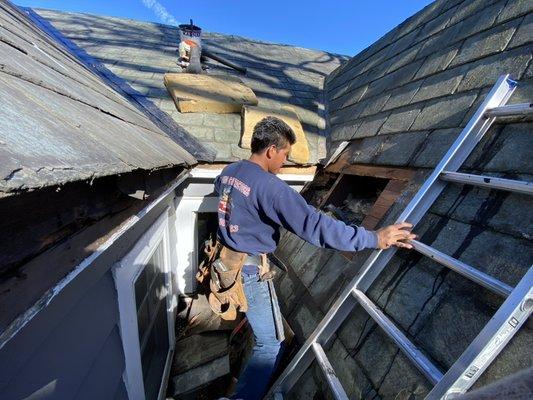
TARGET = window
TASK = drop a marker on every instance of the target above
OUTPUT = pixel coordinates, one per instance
(196, 217)
(143, 284)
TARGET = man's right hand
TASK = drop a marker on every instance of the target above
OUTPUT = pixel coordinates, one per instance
(395, 235)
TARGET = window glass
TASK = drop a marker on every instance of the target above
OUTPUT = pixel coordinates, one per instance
(150, 298)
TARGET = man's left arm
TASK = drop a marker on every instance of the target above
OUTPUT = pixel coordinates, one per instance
(294, 214)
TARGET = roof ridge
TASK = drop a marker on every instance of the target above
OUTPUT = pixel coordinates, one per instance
(249, 39)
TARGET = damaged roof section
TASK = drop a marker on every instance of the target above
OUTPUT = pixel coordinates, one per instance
(140, 53)
(60, 123)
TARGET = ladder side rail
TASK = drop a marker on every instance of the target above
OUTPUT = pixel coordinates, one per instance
(460, 149)
(501, 328)
(466, 270)
(329, 373)
(490, 182)
(431, 372)
(322, 333)
(456, 155)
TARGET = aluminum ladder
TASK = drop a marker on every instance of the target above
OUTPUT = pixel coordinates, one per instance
(513, 312)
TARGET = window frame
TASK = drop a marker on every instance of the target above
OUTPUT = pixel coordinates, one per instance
(125, 273)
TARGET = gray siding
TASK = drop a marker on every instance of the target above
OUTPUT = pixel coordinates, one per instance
(78, 356)
(72, 348)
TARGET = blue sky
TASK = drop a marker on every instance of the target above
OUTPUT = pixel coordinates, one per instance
(338, 26)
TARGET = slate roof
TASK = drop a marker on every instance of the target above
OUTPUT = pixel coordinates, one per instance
(405, 98)
(59, 122)
(141, 53)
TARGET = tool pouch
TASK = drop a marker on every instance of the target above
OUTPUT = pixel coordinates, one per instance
(223, 273)
(211, 250)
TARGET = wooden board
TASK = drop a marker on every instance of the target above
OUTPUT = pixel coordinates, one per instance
(383, 203)
(208, 93)
(252, 115)
(327, 195)
(402, 174)
(298, 170)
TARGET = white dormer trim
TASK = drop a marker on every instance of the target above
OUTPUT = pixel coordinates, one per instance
(125, 273)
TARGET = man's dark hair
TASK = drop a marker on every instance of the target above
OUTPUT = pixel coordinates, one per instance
(271, 131)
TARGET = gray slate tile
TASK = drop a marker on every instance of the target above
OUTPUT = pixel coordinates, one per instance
(403, 95)
(524, 34)
(486, 71)
(441, 84)
(370, 126)
(486, 43)
(399, 148)
(401, 120)
(447, 112)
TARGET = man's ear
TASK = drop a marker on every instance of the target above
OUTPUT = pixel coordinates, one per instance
(270, 151)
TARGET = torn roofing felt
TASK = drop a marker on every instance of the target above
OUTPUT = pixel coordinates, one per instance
(59, 122)
(140, 53)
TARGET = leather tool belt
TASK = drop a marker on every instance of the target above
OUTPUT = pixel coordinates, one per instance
(220, 272)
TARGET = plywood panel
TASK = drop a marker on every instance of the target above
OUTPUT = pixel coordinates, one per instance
(343, 165)
(252, 115)
(208, 93)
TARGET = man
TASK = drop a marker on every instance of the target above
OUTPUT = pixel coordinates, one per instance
(254, 204)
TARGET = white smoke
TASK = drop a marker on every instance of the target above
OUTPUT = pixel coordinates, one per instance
(160, 11)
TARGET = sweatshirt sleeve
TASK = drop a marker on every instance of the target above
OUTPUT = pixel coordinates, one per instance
(294, 214)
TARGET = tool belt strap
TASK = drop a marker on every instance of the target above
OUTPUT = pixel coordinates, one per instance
(261, 261)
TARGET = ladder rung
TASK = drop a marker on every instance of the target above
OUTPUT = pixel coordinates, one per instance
(329, 372)
(488, 182)
(411, 351)
(464, 269)
(521, 109)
